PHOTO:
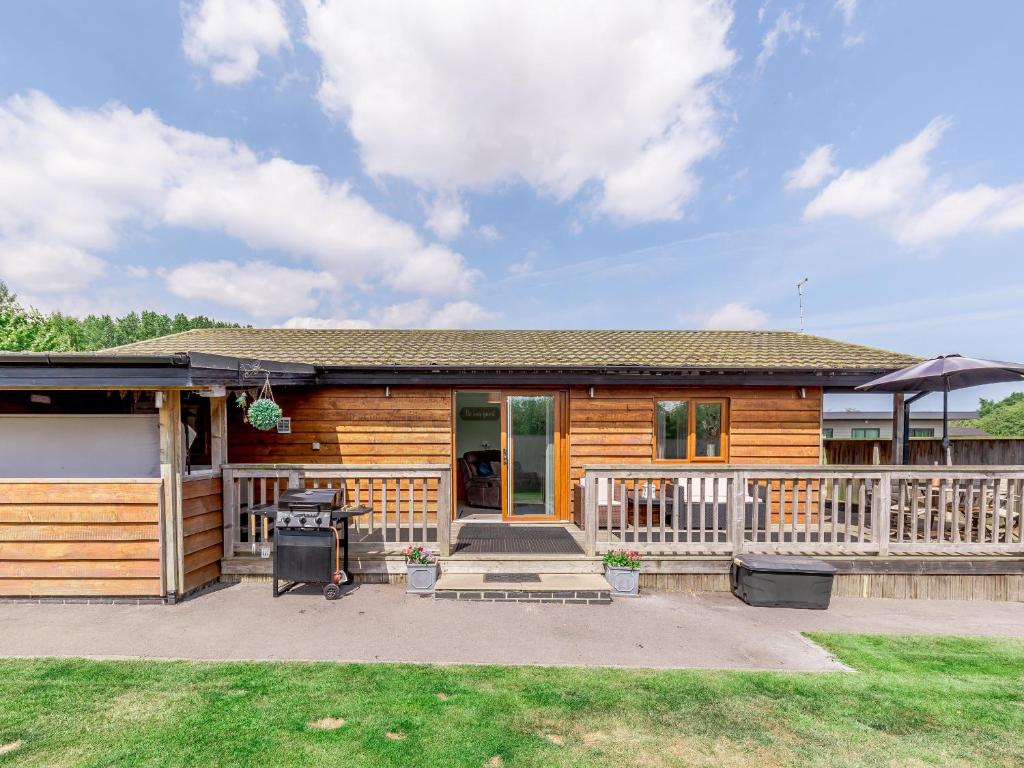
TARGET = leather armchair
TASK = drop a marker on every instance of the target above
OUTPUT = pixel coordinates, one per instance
(480, 490)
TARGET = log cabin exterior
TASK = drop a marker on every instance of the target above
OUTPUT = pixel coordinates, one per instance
(730, 420)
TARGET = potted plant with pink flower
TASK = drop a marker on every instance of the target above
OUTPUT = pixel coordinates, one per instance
(622, 569)
(421, 570)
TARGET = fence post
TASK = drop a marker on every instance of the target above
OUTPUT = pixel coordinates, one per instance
(444, 514)
(229, 511)
(590, 514)
(881, 512)
(738, 511)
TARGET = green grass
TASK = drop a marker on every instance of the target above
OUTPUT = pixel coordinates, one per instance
(913, 701)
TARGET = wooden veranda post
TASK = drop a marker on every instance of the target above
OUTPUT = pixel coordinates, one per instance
(171, 449)
(898, 425)
(444, 515)
(881, 511)
(590, 515)
(218, 432)
(738, 511)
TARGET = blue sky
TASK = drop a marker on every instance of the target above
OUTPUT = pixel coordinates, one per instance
(667, 165)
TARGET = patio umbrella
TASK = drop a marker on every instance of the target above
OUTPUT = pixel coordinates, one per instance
(941, 374)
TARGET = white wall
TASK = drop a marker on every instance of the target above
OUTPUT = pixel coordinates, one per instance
(471, 435)
(79, 446)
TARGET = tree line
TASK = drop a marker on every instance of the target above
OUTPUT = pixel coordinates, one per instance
(28, 329)
(1003, 418)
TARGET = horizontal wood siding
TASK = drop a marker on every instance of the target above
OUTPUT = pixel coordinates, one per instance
(362, 425)
(203, 530)
(767, 425)
(354, 425)
(80, 539)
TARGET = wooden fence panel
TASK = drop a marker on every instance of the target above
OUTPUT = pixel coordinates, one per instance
(80, 538)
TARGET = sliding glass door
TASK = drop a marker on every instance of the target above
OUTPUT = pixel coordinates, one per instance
(531, 455)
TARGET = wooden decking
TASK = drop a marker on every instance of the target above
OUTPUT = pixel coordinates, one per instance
(890, 531)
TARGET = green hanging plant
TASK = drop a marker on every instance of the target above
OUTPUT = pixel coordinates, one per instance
(264, 414)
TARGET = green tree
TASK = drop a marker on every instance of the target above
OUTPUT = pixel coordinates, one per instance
(1002, 418)
(30, 330)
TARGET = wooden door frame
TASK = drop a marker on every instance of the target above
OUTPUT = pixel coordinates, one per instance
(561, 458)
(562, 469)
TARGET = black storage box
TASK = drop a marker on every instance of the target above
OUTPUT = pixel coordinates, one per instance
(781, 581)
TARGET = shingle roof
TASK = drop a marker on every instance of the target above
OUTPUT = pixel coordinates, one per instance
(372, 348)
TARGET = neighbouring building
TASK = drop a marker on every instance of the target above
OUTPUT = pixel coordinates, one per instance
(875, 425)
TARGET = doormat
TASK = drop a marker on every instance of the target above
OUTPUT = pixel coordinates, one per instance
(498, 539)
(510, 578)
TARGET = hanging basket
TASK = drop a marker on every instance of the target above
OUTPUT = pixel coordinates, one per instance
(264, 414)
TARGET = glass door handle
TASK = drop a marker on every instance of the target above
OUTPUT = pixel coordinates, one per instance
(504, 456)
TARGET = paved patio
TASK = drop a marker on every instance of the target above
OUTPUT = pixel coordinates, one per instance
(381, 623)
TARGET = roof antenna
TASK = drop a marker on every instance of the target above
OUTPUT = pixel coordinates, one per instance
(800, 292)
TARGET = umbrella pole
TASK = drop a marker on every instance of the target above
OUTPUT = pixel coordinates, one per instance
(945, 424)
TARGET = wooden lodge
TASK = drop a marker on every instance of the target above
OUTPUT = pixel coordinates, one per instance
(131, 473)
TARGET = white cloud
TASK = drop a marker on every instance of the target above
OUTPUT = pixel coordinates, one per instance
(980, 208)
(73, 180)
(261, 288)
(884, 186)
(461, 314)
(325, 322)
(446, 216)
(788, 27)
(419, 313)
(46, 266)
(138, 271)
(735, 316)
(899, 193)
(229, 36)
(816, 167)
(405, 314)
(435, 270)
(489, 232)
(847, 8)
(514, 91)
(949, 215)
(524, 267)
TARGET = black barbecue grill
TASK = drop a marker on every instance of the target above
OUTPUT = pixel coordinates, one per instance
(310, 538)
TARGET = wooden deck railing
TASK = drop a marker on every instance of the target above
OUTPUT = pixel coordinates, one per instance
(814, 510)
(410, 503)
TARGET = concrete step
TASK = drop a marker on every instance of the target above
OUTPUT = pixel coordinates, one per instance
(565, 588)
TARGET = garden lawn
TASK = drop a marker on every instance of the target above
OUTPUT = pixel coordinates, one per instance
(912, 701)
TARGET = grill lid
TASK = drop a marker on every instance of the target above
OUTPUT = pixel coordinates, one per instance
(323, 499)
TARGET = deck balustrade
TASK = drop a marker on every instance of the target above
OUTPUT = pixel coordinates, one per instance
(812, 510)
(689, 511)
(409, 504)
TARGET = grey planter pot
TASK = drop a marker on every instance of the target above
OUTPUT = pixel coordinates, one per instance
(625, 582)
(421, 578)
